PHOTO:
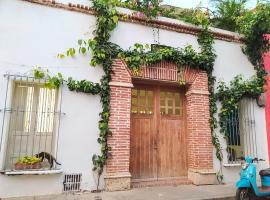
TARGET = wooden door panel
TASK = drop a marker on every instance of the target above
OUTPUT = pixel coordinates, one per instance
(172, 148)
(158, 133)
(172, 153)
(143, 156)
(143, 133)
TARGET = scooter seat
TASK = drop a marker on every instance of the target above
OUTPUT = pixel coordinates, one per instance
(265, 172)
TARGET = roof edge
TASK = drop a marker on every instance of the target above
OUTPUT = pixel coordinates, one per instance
(179, 27)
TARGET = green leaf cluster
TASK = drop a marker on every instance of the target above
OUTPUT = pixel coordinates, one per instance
(227, 13)
(150, 8)
(253, 25)
(229, 96)
(103, 53)
(51, 82)
(28, 160)
(139, 55)
(83, 86)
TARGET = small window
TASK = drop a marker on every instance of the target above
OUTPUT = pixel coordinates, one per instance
(170, 103)
(31, 126)
(142, 101)
(241, 132)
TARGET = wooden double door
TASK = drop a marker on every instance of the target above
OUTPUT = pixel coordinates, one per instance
(158, 133)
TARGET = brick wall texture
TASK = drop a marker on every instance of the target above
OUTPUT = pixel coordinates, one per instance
(198, 128)
(119, 120)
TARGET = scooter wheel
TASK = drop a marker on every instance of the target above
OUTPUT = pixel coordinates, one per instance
(244, 194)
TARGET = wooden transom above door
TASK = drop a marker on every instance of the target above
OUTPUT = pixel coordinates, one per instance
(158, 133)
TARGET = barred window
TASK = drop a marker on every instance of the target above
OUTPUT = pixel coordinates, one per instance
(241, 131)
(32, 124)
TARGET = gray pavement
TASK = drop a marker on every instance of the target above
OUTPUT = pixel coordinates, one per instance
(183, 192)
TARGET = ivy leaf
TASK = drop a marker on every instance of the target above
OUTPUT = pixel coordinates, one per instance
(83, 50)
(38, 74)
(115, 19)
(93, 63)
(60, 55)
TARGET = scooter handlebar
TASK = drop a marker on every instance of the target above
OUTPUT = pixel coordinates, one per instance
(256, 159)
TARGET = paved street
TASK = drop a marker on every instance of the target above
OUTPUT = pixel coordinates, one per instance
(184, 192)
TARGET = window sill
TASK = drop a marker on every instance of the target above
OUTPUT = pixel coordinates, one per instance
(32, 172)
(232, 164)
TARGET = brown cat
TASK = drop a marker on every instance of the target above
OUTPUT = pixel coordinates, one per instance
(49, 157)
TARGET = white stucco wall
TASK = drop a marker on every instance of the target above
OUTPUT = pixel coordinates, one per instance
(231, 62)
(32, 35)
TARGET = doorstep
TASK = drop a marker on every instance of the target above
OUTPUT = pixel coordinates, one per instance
(141, 183)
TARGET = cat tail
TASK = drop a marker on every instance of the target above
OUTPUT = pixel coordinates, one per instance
(57, 163)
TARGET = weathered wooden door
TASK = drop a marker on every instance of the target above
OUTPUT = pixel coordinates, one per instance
(158, 133)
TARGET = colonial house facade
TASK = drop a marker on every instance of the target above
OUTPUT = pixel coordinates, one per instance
(160, 130)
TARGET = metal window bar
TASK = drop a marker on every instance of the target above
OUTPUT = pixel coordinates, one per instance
(241, 131)
(72, 182)
(31, 121)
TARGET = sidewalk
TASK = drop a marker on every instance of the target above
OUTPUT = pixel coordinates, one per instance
(183, 192)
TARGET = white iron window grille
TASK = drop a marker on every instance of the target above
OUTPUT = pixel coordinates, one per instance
(31, 121)
(72, 182)
(241, 131)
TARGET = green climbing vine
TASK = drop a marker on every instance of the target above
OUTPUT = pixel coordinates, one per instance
(103, 52)
(232, 94)
(50, 81)
(138, 56)
(253, 25)
(83, 86)
(57, 80)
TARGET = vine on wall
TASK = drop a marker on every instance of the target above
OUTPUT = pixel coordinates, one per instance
(253, 25)
(232, 94)
(103, 53)
(51, 81)
(57, 80)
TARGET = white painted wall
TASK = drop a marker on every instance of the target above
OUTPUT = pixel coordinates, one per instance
(32, 35)
(231, 62)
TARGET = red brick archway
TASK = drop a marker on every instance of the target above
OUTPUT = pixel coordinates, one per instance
(200, 150)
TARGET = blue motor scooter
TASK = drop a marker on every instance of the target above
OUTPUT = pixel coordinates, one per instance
(247, 188)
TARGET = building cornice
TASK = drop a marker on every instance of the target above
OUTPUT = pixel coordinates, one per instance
(155, 23)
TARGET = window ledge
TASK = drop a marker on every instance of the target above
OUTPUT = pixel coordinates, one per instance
(33, 172)
(232, 164)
